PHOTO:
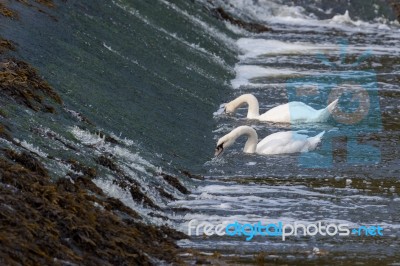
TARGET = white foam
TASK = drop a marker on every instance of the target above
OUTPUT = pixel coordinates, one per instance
(274, 13)
(197, 47)
(244, 73)
(256, 47)
(32, 148)
(115, 191)
(252, 47)
(86, 137)
(215, 33)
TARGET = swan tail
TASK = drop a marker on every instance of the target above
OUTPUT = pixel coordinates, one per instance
(313, 141)
(332, 106)
(327, 111)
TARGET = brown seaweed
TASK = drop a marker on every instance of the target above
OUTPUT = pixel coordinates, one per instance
(6, 45)
(21, 82)
(48, 3)
(44, 222)
(7, 12)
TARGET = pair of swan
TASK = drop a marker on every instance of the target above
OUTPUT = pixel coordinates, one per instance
(280, 142)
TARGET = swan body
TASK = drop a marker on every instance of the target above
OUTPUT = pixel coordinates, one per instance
(276, 143)
(292, 112)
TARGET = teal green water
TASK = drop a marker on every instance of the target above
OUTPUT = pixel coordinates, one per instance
(152, 73)
(138, 68)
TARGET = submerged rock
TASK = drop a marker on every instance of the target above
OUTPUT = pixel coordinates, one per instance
(127, 183)
(192, 176)
(221, 14)
(173, 181)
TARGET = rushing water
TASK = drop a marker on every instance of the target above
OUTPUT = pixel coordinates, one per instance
(153, 75)
(357, 185)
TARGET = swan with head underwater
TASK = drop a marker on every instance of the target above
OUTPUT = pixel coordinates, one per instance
(292, 112)
(276, 143)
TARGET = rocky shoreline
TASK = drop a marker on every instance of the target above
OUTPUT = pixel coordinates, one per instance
(66, 220)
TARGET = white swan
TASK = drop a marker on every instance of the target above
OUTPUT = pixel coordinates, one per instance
(276, 143)
(292, 112)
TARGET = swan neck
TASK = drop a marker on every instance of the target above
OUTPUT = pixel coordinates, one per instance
(252, 138)
(252, 102)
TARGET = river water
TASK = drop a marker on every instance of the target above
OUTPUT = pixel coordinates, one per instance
(352, 179)
(153, 75)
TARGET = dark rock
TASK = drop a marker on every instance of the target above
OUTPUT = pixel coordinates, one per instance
(173, 181)
(107, 162)
(141, 197)
(127, 183)
(165, 194)
(48, 3)
(192, 176)
(221, 14)
(396, 8)
(79, 167)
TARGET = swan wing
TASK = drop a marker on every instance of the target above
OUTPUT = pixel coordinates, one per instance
(289, 113)
(282, 142)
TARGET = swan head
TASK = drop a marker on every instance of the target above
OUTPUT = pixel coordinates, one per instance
(230, 108)
(223, 143)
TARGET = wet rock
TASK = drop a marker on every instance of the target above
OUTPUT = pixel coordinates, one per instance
(6, 45)
(127, 183)
(221, 14)
(173, 181)
(165, 194)
(157, 215)
(108, 138)
(48, 3)
(107, 162)
(4, 133)
(52, 135)
(141, 197)
(112, 204)
(79, 116)
(396, 8)
(192, 176)
(181, 209)
(79, 167)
